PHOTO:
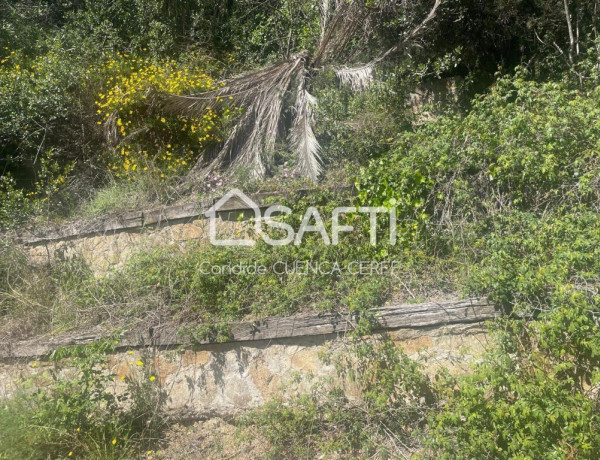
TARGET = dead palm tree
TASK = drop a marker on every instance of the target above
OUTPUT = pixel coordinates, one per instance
(262, 93)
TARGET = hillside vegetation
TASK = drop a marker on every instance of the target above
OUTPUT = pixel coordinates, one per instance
(496, 184)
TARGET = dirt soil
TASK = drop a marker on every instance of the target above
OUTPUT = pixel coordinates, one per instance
(214, 439)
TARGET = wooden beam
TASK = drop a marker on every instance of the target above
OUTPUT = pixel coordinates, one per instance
(136, 221)
(399, 316)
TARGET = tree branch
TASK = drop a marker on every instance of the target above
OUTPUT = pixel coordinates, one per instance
(360, 76)
(412, 34)
(570, 28)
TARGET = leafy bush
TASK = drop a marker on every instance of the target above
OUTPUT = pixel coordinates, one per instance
(37, 94)
(524, 146)
(162, 28)
(50, 131)
(181, 284)
(45, 126)
(76, 412)
(184, 284)
(534, 394)
(528, 259)
(356, 127)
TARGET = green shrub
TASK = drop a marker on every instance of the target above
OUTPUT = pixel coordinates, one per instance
(182, 285)
(527, 259)
(533, 394)
(509, 191)
(76, 412)
(46, 110)
(525, 146)
(182, 282)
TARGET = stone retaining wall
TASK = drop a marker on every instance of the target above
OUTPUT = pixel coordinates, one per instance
(108, 243)
(222, 379)
(263, 356)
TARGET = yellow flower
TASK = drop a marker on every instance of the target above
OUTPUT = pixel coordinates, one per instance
(70, 454)
(140, 363)
(114, 441)
(126, 88)
(152, 379)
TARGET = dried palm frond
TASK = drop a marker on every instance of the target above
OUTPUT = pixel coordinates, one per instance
(111, 130)
(261, 95)
(325, 9)
(347, 19)
(302, 138)
(239, 91)
(358, 78)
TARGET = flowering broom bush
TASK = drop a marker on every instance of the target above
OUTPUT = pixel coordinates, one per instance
(143, 139)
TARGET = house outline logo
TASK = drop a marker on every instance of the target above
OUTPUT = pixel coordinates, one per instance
(211, 214)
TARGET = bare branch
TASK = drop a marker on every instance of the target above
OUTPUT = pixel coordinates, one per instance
(348, 17)
(413, 33)
(570, 28)
(359, 77)
(325, 7)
